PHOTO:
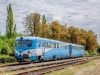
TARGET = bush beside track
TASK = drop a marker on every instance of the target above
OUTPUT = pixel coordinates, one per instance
(6, 59)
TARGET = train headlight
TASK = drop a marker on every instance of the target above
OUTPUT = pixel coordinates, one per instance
(29, 51)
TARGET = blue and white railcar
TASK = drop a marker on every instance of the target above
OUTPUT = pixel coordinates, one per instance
(77, 50)
(35, 48)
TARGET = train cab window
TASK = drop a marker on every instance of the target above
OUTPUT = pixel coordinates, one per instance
(28, 43)
(21, 43)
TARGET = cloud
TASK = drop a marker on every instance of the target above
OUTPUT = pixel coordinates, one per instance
(79, 13)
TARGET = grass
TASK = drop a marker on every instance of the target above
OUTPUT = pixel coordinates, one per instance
(85, 65)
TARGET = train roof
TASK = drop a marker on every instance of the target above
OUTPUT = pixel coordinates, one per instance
(45, 39)
(77, 45)
(38, 38)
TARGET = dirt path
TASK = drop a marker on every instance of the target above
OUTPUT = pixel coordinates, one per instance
(91, 70)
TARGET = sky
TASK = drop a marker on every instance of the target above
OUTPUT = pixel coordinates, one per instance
(78, 13)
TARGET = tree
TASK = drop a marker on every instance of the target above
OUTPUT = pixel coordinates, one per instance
(64, 36)
(10, 26)
(73, 34)
(44, 28)
(91, 41)
(28, 24)
(43, 19)
(56, 30)
(32, 24)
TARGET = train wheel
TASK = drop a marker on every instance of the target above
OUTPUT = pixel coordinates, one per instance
(20, 62)
(30, 62)
(41, 60)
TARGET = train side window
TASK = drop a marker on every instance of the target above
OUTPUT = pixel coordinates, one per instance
(65, 47)
(75, 47)
(43, 44)
(54, 45)
(61, 46)
(28, 43)
(48, 45)
(57, 45)
(78, 48)
(51, 45)
(39, 44)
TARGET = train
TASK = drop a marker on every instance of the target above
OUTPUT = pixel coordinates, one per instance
(30, 49)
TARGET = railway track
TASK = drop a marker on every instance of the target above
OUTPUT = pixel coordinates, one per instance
(53, 68)
(15, 64)
(22, 67)
(97, 72)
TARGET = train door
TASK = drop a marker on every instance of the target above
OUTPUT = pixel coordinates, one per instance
(43, 49)
(70, 50)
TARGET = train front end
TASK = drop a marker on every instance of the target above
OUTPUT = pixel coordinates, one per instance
(23, 50)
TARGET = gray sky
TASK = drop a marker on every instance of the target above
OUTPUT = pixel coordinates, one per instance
(78, 13)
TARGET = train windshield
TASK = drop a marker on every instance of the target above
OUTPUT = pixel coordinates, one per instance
(23, 43)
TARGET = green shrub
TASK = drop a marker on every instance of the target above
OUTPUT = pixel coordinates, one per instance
(4, 51)
(86, 53)
(89, 53)
(6, 59)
